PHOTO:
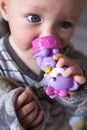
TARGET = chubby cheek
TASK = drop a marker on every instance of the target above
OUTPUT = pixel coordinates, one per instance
(21, 34)
(23, 39)
(65, 39)
(65, 42)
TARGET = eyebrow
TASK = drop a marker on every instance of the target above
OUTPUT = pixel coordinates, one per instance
(69, 16)
(73, 18)
(38, 7)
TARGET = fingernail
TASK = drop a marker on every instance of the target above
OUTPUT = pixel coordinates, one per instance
(58, 65)
(64, 74)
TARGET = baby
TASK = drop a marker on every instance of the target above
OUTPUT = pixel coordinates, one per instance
(23, 102)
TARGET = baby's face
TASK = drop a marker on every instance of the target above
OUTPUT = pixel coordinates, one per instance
(30, 19)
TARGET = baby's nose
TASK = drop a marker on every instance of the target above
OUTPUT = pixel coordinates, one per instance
(48, 31)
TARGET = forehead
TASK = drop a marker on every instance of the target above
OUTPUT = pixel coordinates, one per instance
(72, 6)
(80, 2)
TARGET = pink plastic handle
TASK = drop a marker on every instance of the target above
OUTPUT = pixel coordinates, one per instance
(46, 42)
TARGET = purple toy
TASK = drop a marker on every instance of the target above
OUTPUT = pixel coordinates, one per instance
(44, 49)
(58, 85)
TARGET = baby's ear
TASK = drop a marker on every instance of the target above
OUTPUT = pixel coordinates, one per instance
(3, 9)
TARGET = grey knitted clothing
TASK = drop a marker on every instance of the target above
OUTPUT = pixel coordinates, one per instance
(16, 77)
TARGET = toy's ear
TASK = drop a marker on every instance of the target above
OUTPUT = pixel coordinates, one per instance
(3, 9)
(75, 86)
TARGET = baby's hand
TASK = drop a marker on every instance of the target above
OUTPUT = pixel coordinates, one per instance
(73, 69)
(27, 110)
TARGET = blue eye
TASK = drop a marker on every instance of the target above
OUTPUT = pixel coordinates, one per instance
(34, 18)
(65, 24)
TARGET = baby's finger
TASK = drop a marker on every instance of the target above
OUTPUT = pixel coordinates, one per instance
(64, 61)
(61, 60)
(58, 56)
(29, 118)
(25, 110)
(73, 70)
(79, 79)
(21, 99)
(37, 120)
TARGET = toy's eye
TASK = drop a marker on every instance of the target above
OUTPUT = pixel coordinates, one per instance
(34, 18)
(54, 78)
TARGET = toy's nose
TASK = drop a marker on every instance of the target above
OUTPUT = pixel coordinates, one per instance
(59, 74)
(46, 42)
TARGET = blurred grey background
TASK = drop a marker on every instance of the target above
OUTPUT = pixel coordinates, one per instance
(79, 38)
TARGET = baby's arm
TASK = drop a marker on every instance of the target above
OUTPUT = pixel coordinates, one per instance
(13, 104)
(76, 102)
(27, 110)
(8, 93)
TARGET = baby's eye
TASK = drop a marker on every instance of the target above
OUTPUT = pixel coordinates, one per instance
(65, 24)
(34, 18)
